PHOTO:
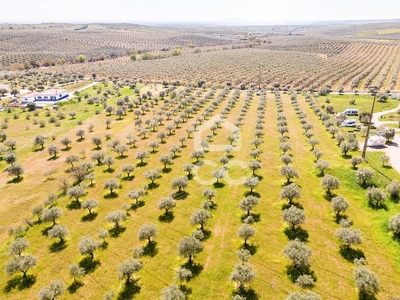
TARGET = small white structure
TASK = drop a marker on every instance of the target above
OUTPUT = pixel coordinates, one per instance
(4, 86)
(349, 123)
(52, 95)
(376, 141)
(350, 112)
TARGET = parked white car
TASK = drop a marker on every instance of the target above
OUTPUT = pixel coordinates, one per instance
(376, 141)
(349, 123)
(350, 112)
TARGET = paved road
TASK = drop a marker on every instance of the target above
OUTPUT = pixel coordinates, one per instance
(392, 150)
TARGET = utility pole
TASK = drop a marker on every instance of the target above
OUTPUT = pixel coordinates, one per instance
(364, 152)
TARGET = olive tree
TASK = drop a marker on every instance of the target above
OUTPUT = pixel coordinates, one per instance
(349, 236)
(141, 155)
(376, 197)
(188, 167)
(127, 268)
(330, 183)
(322, 165)
(146, 232)
(339, 204)
(53, 150)
(111, 184)
(21, 264)
(245, 232)
(243, 255)
(76, 192)
(53, 291)
(290, 192)
(189, 246)
(18, 246)
(248, 203)
(136, 194)
(183, 274)
(152, 175)
(286, 158)
(294, 216)
(75, 271)
(128, 169)
(394, 224)
(116, 217)
(172, 292)
(298, 253)
(51, 215)
(39, 140)
(394, 189)
(254, 165)
(90, 204)
(200, 217)
(303, 296)
(180, 183)
(364, 174)
(87, 246)
(58, 231)
(356, 160)
(242, 274)
(15, 169)
(366, 281)
(166, 203)
(289, 172)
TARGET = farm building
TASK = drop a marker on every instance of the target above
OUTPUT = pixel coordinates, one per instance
(51, 95)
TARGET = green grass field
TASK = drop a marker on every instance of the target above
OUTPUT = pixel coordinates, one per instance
(212, 266)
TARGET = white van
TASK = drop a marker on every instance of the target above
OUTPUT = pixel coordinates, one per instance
(349, 123)
(376, 141)
(350, 112)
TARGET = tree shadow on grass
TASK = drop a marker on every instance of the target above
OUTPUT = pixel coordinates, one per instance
(137, 205)
(74, 286)
(74, 205)
(296, 233)
(294, 273)
(153, 186)
(20, 283)
(150, 249)
(128, 178)
(116, 231)
(207, 235)
(248, 294)
(363, 296)
(53, 158)
(340, 217)
(57, 246)
(129, 291)
(350, 254)
(141, 164)
(182, 195)
(89, 265)
(256, 217)
(287, 205)
(260, 177)
(89, 217)
(251, 248)
(109, 170)
(45, 231)
(329, 196)
(104, 245)
(196, 269)
(112, 195)
(166, 170)
(16, 180)
(253, 193)
(167, 217)
(189, 176)
(218, 185)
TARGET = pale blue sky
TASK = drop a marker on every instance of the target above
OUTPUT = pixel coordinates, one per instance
(261, 11)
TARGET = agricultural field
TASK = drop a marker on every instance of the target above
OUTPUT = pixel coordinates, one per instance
(341, 57)
(198, 162)
(124, 187)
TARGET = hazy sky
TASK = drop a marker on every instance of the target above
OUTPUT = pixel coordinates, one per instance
(261, 11)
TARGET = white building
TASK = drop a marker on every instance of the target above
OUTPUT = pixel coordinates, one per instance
(4, 86)
(52, 95)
